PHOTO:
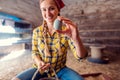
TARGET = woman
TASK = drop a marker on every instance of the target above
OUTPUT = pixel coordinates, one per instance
(49, 46)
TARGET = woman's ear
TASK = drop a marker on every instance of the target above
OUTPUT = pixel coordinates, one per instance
(58, 14)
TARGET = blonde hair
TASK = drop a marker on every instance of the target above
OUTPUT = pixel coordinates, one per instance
(46, 50)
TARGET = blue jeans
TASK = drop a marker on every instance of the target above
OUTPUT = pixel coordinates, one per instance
(64, 74)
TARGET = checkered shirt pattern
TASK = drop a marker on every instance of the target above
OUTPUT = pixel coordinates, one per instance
(56, 60)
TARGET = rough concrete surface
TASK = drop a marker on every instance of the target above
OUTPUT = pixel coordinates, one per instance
(10, 68)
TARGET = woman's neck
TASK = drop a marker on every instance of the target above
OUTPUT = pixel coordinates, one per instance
(50, 25)
(50, 28)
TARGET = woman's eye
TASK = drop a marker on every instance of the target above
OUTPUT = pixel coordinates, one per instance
(43, 9)
(52, 8)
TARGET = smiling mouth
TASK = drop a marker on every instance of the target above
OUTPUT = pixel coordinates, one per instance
(49, 18)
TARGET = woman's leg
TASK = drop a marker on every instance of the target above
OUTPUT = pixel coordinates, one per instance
(28, 74)
(69, 74)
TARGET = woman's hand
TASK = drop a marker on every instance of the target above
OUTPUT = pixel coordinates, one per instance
(43, 66)
(71, 30)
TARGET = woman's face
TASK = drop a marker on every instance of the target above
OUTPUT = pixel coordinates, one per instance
(49, 10)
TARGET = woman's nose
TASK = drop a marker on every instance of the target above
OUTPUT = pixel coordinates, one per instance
(48, 13)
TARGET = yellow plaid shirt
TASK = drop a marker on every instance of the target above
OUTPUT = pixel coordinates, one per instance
(56, 60)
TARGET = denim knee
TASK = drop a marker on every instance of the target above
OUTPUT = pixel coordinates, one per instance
(69, 74)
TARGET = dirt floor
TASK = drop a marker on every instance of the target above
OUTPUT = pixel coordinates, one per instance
(11, 67)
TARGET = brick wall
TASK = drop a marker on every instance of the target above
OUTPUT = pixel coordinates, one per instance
(98, 22)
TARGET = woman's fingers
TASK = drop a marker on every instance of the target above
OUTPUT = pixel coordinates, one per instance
(63, 32)
(71, 28)
(66, 21)
(44, 67)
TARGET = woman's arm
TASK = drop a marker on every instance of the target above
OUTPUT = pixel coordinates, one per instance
(73, 33)
(80, 49)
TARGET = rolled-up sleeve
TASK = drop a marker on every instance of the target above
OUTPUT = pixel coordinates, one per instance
(73, 48)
